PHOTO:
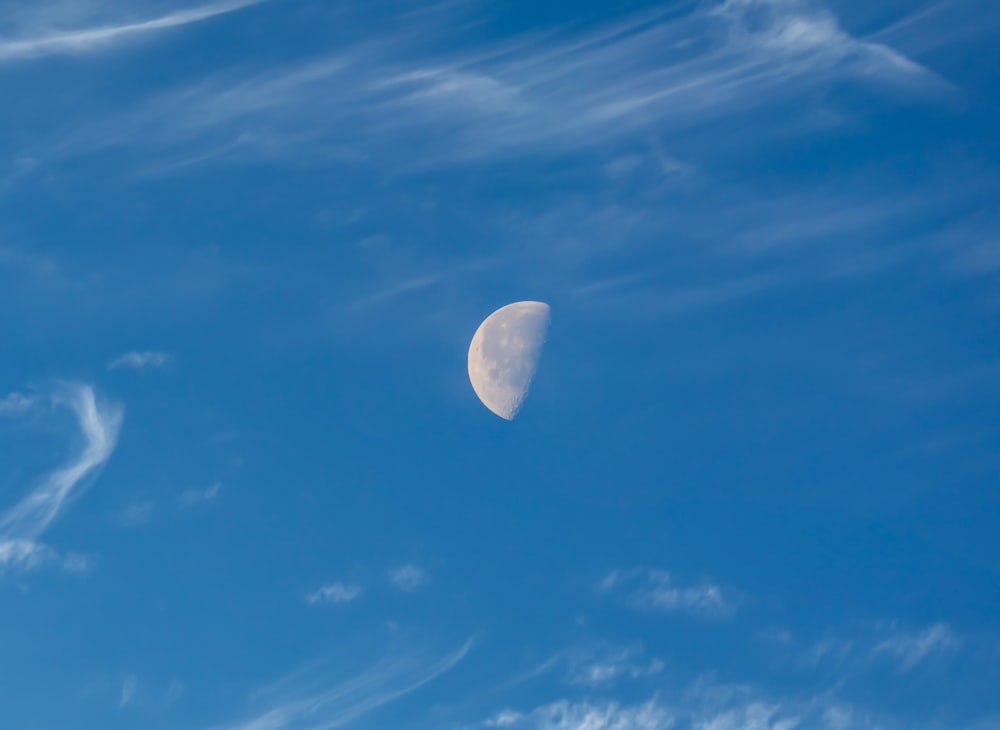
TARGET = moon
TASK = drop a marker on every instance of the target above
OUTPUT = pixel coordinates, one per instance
(503, 355)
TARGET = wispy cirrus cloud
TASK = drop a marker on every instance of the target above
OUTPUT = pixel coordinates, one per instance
(18, 555)
(829, 650)
(658, 590)
(130, 685)
(664, 70)
(939, 24)
(602, 668)
(910, 648)
(587, 715)
(562, 92)
(703, 702)
(192, 497)
(704, 705)
(744, 241)
(870, 646)
(662, 593)
(334, 593)
(20, 527)
(296, 704)
(658, 715)
(141, 360)
(36, 44)
(27, 269)
(16, 403)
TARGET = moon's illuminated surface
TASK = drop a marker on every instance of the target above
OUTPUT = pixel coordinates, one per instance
(504, 354)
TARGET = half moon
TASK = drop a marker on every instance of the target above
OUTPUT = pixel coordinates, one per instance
(504, 355)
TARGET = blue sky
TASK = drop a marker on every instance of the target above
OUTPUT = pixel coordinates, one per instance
(245, 481)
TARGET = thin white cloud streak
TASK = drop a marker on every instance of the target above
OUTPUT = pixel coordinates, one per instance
(130, 684)
(743, 241)
(657, 71)
(411, 284)
(85, 40)
(141, 360)
(25, 522)
(346, 701)
(910, 649)
(875, 647)
(942, 24)
(334, 593)
(831, 649)
(191, 497)
(609, 582)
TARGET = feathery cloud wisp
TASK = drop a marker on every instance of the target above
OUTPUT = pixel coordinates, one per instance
(25, 522)
(658, 590)
(504, 718)
(23, 555)
(910, 649)
(15, 403)
(84, 40)
(143, 360)
(191, 497)
(601, 669)
(661, 593)
(129, 686)
(334, 593)
(585, 715)
(558, 93)
(705, 706)
(346, 701)
(137, 513)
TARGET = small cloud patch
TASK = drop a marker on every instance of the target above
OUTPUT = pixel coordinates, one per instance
(141, 360)
(137, 514)
(605, 667)
(408, 578)
(659, 590)
(15, 403)
(504, 718)
(334, 593)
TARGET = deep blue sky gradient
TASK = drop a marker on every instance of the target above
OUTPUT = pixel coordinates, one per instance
(755, 484)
